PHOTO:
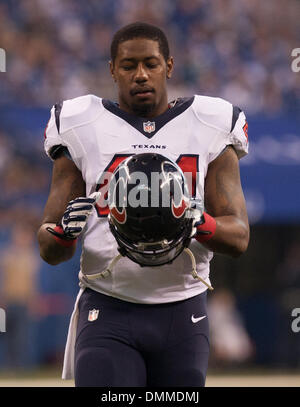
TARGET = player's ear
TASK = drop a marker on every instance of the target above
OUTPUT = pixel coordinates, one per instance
(170, 66)
(111, 68)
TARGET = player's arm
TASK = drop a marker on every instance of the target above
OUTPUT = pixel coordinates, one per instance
(225, 203)
(67, 184)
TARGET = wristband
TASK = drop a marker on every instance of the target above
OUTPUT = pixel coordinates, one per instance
(207, 229)
(58, 234)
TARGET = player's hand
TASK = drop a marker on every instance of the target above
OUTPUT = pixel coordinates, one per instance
(199, 228)
(195, 212)
(75, 217)
(204, 225)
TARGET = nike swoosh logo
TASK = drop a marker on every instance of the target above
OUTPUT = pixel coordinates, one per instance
(195, 320)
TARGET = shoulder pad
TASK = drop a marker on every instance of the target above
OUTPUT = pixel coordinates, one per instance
(214, 112)
(78, 111)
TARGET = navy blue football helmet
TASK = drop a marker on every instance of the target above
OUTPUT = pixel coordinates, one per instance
(150, 209)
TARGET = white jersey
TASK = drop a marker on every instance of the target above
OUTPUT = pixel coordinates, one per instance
(98, 135)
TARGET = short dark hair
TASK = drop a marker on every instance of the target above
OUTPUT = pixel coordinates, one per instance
(140, 30)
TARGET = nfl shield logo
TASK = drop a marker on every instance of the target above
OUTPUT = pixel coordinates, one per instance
(149, 127)
(93, 315)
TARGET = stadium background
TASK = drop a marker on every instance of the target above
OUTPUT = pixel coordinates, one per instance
(236, 49)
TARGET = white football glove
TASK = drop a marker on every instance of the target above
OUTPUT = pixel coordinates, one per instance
(196, 213)
(75, 217)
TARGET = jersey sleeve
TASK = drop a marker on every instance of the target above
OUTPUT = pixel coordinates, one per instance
(53, 140)
(239, 133)
(233, 131)
(61, 133)
(226, 125)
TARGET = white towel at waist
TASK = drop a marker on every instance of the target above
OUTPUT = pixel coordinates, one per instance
(69, 357)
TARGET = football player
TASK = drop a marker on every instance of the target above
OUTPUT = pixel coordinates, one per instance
(133, 325)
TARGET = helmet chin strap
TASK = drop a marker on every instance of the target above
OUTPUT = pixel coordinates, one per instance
(107, 272)
(109, 269)
(194, 270)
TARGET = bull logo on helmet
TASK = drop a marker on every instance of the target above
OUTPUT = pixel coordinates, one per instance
(179, 195)
(120, 216)
(117, 188)
(178, 211)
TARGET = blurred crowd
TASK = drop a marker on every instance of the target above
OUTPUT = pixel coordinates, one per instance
(236, 49)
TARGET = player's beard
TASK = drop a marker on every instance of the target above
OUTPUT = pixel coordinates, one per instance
(143, 109)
